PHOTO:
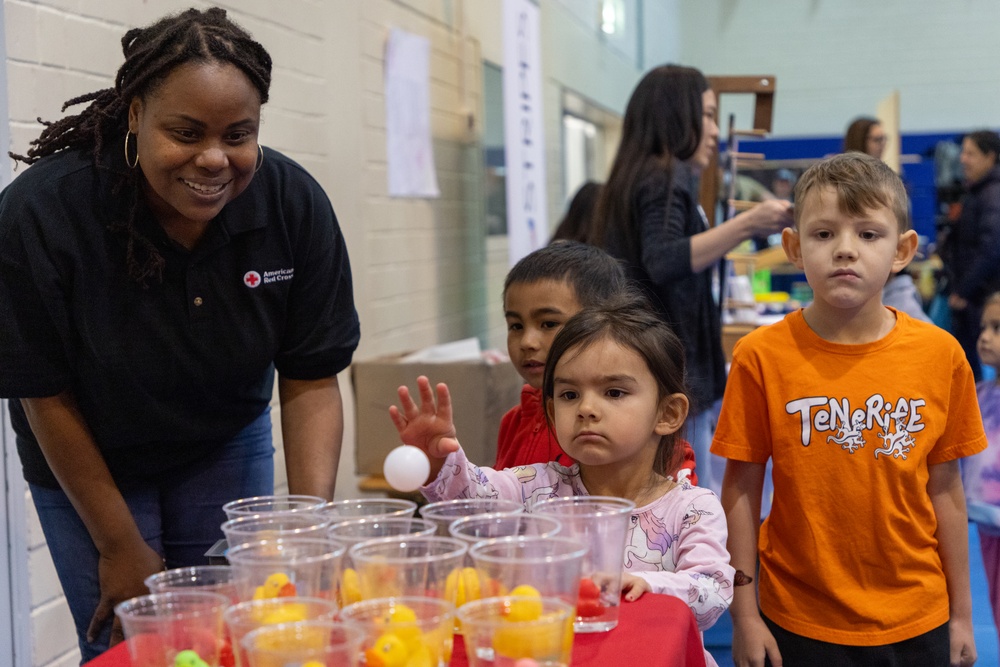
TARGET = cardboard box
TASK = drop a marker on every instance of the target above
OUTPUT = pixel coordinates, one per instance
(481, 392)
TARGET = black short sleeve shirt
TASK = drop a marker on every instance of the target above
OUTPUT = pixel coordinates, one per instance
(164, 373)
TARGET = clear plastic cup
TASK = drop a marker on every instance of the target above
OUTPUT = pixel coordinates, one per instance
(543, 566)
(406, 566)
(474, 529)
(286, 567)
(254, 527)
(270, 504)
(602, 523)
(503, 630)
(326, 643)
(160, 627)
(412, 630)
(352, 531)
(358, 508)
(206, 578)
(243, 618)
(444, 512)
(355, 531)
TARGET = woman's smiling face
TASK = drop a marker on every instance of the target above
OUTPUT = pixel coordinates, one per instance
(196, 135)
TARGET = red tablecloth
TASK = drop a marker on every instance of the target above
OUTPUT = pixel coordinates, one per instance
(653, 631)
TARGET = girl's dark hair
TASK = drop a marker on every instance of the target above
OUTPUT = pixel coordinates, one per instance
(151, 54)
(630, 322)
(663, 123)
(594, 275)
(856, 137)
(986, 141)
(576, 223)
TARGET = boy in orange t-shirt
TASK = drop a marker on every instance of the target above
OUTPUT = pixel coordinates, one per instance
(864, 413)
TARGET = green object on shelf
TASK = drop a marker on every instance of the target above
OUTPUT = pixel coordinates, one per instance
(761, 281)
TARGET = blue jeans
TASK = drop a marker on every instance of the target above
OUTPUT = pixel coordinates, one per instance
(179, 517)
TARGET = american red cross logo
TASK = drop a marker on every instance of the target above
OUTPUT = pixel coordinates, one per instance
(251, 279)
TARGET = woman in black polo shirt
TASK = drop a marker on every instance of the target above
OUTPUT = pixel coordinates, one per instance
(157, 265)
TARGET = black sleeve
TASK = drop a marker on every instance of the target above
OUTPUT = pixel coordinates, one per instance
(666, 247)
(34, 314)
(322, 323)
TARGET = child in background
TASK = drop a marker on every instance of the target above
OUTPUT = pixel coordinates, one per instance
(541, 292)
(864, 412)
(981, 473)
(614, 391)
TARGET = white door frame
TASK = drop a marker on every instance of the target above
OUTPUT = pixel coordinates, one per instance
(15, 596)
(15, 628)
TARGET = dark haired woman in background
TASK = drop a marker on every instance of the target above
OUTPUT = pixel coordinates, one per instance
(575, 224)
(156, 266)
(971, 252)
(648, 215)
(865, 135)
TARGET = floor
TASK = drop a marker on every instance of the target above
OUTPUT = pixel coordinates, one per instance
(718, 639)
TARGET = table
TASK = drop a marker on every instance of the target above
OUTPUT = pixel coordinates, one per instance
(653, 631)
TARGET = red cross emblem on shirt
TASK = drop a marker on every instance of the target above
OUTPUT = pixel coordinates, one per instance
(251, 279)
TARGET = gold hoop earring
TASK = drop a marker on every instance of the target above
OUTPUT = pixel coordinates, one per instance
(260, 162)
(132, 165)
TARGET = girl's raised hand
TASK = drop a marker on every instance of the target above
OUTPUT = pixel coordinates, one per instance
(429, 426)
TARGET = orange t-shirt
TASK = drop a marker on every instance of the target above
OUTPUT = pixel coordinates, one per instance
(848, 553)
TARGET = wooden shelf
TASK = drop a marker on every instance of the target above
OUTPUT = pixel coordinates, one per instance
(762, 259)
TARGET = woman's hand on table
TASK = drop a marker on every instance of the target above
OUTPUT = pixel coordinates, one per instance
(633, 587)
(122, 574)
(752, 641)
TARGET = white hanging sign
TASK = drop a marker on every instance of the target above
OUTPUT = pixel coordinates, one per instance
(527, 226)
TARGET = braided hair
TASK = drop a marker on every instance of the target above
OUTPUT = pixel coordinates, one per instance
(151, 54)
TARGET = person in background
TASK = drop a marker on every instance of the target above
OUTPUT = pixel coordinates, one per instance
(783, 184)
(648, 215)
(614, 393)
(864, 413)
(576, 223)
(157, 265)
(543, 290)
(865, 135)
(971, 252)
(981, 472)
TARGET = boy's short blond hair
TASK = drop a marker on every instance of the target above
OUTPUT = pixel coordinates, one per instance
(862, 183)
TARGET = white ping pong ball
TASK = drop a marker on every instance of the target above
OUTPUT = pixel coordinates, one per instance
(406, 468)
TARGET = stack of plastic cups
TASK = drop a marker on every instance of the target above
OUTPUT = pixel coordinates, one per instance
(175, 628)
(601, 523)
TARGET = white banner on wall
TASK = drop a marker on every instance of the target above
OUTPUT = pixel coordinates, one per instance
(527, 226)
(410, 155)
